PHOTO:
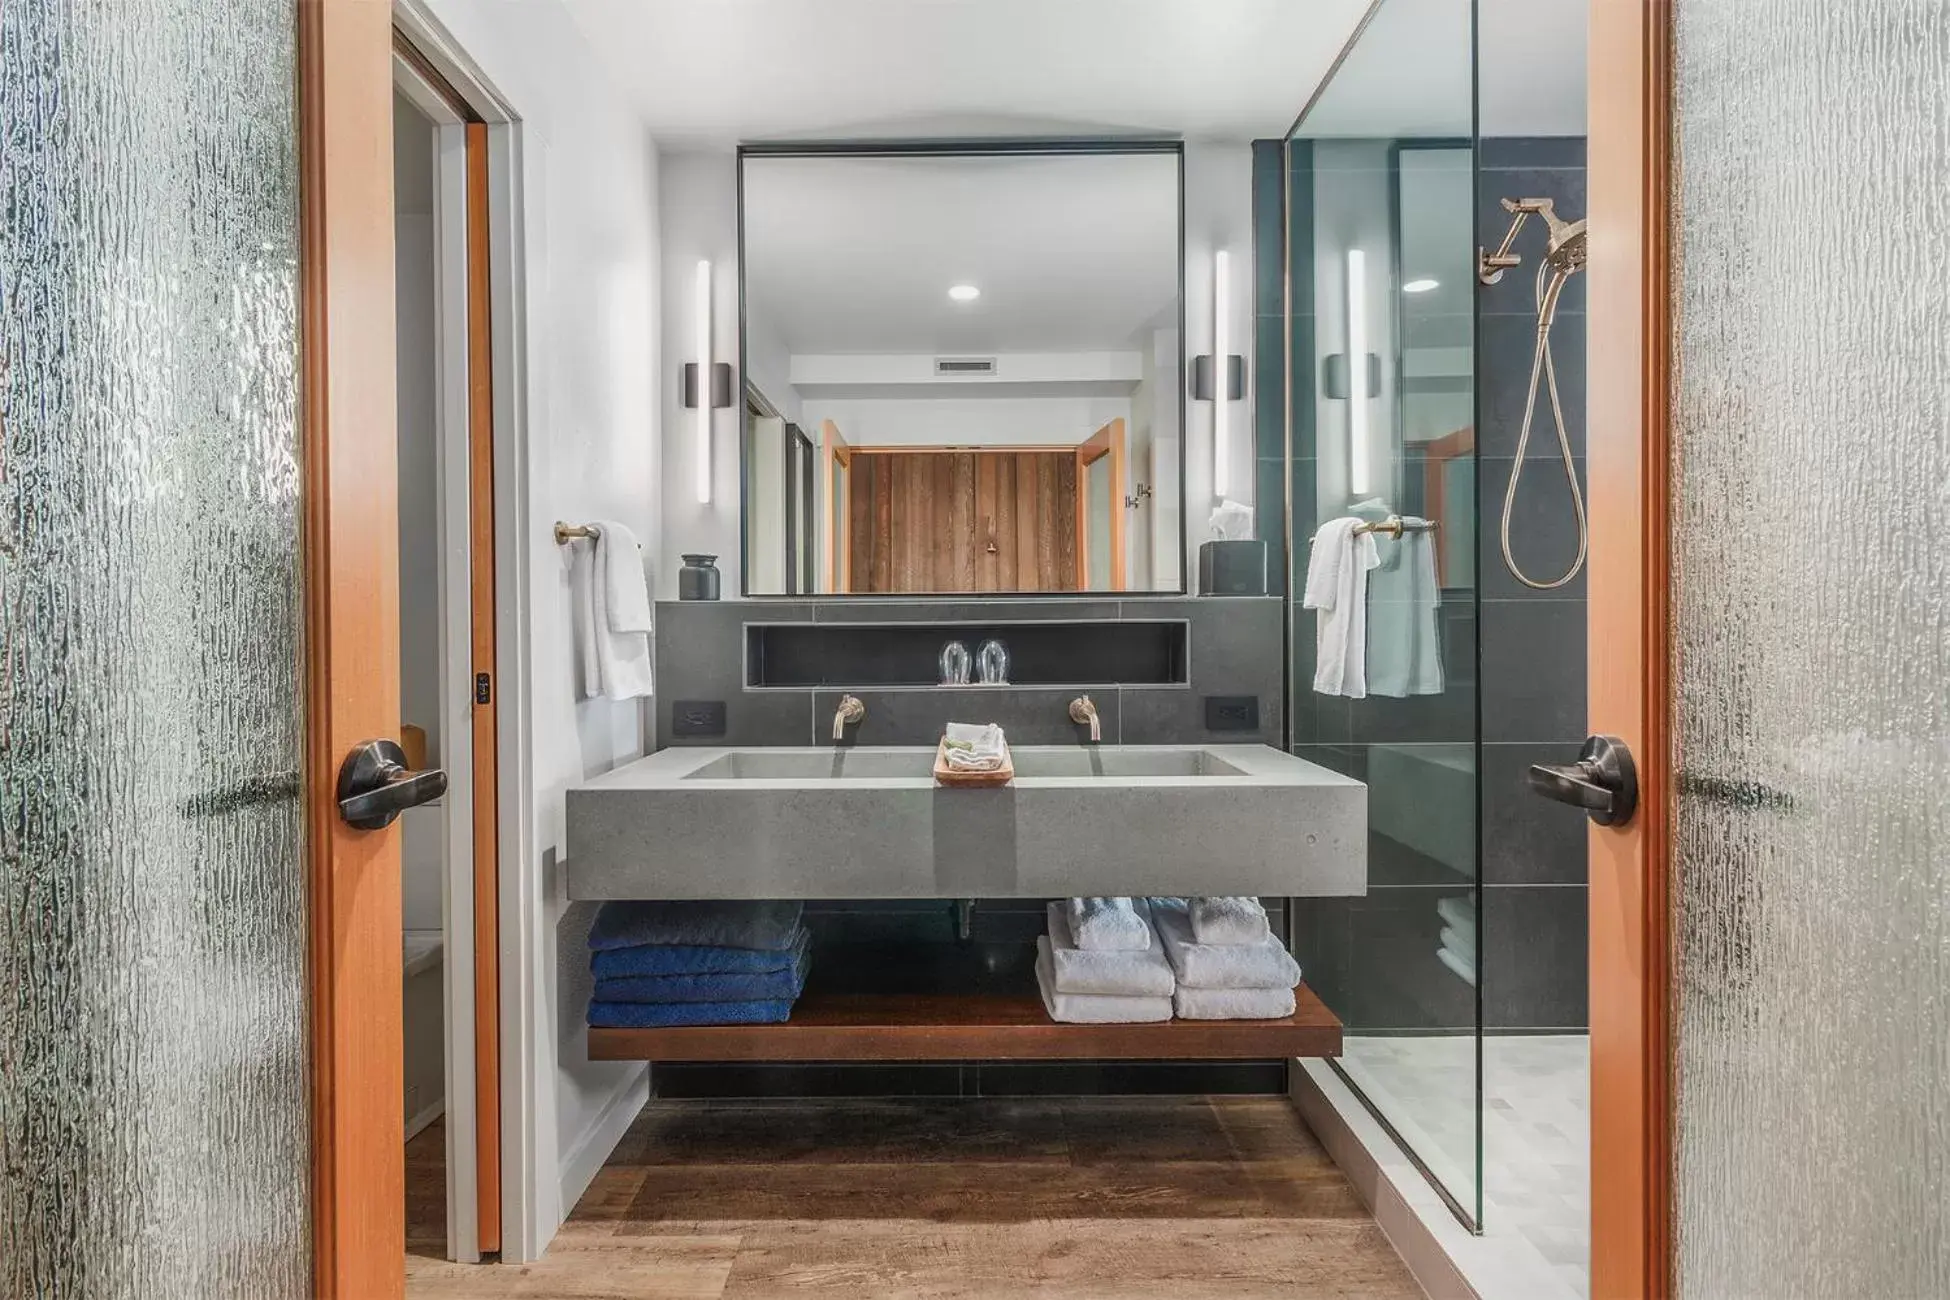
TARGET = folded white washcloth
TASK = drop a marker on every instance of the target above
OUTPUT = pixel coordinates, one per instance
(1220, 965)
(1232, 1004)
(1460, 942)
(1093, 1008)
(1464, 968)
(1106, 923)
(1457, 911)
(1118, 972)
(1230, 920)
(975, 747)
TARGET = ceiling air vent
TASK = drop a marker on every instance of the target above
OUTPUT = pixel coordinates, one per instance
(964, 367)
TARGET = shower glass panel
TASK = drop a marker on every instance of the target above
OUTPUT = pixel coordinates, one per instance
(154, 1116)
(1380, 211)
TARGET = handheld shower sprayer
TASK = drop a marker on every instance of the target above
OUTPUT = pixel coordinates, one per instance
(1564, 255)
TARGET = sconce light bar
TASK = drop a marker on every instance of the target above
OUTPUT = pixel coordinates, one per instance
(704, 367)
(1206, 386)
(719, 396)
(1221, 398)
(1358, 472)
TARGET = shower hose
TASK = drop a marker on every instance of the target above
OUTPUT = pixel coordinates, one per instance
(1543, 367)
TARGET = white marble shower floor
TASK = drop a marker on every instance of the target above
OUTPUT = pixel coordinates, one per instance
(1536, 1130)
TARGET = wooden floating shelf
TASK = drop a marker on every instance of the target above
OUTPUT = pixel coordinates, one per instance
(971, 1027)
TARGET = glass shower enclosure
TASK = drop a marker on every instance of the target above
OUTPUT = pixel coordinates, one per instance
(1381, 422)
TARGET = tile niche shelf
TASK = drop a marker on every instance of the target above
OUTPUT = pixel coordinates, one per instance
(977, 1026)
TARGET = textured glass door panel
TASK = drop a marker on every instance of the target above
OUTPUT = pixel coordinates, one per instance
(1812, 552)
(153, 1098)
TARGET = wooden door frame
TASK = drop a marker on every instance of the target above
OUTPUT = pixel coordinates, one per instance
(465, 439)
(836, 458)
(1108, 441)
(348, 430)
(1628, 467)
(351, 550)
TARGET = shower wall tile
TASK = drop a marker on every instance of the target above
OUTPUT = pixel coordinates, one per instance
(1543, 528)
(1528, 839)
(1527, 152)
(1506, 347)
(1373, 961)
(1534, 655)
(1535, 957)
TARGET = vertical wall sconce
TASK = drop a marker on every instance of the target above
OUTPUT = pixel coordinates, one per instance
(1206, 386)
(695, 396)
(1221, 452)
(1357, 347)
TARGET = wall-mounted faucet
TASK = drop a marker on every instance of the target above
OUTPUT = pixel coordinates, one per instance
(1084, 713)
(851, 710)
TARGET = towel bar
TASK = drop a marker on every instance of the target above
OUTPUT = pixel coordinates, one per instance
(1395, 526)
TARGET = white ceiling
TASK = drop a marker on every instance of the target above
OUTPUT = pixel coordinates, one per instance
(1072, 253)
(710, 72)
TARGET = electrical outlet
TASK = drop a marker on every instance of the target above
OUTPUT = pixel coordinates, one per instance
(1232, 713)
(691, 718)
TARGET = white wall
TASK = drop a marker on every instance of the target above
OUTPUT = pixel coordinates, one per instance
(700, 220)
(698, 211)
(590, 175)
(1218, 214)
(422, 868)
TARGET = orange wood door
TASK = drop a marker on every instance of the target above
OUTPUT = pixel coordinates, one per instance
(352, 635)
(963, 520)
(1631, 964)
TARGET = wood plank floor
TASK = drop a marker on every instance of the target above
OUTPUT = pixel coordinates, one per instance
(1151, 1198)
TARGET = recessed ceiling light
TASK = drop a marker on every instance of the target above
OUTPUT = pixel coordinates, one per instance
(1420, 286)
(964, 293)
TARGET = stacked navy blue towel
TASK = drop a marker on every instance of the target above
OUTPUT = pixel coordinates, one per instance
(696, 963)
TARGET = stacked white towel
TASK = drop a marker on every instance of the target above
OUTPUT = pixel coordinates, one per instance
(1230, 920)
(1107, 923)
(1456, 948)
(1102, 985)
(1224, 981)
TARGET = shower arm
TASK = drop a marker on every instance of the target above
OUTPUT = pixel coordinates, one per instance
(1491, 266)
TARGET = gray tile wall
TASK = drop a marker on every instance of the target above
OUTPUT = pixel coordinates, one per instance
(1235, 650)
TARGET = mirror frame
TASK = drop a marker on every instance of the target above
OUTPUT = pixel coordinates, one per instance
(968, 148)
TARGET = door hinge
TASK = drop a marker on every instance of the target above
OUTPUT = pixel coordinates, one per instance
(483, 689)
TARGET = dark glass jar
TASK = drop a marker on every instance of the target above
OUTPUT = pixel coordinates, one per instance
(699, 578)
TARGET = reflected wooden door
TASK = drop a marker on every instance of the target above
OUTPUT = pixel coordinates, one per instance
(962, 520)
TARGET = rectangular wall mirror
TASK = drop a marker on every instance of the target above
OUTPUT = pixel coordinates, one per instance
(961, 369)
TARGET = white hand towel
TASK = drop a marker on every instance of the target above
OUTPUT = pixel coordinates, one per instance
(1220, 965)
(620, 561)
(1458, 942)
(1337, 592)
(1117, 972)
(1106, 923)
(1404, 649)
(1232, 1004)
(1230, 920)
(621, 658)
(1093, 1008)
